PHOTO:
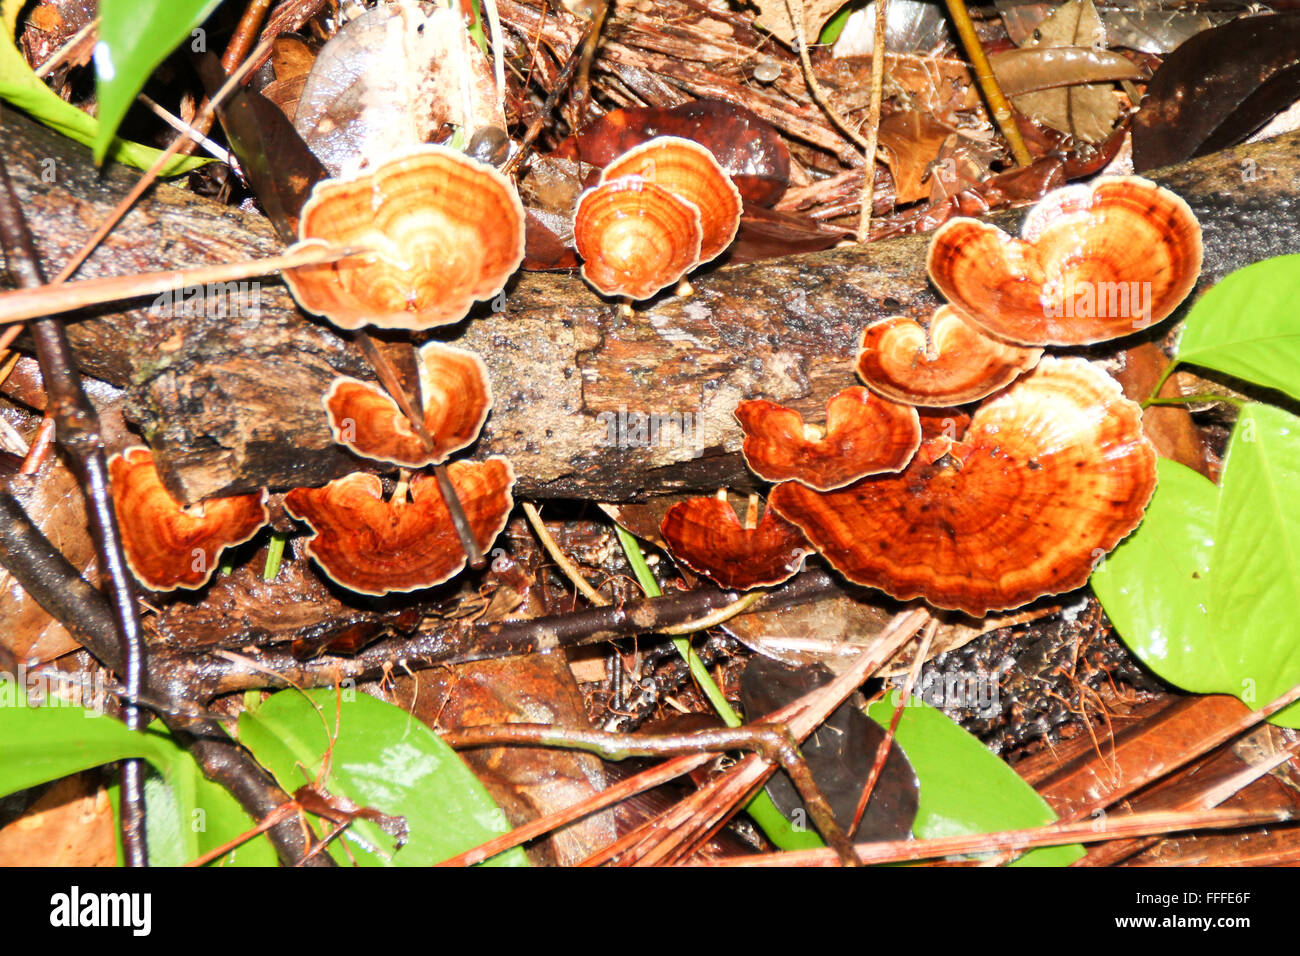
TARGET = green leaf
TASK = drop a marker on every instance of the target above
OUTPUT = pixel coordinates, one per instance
(1205, 591)
(187, 814)
(46, 743)
(382, 758)
(964, 787)
(134, 37)
(25, 90)
(1248, 326)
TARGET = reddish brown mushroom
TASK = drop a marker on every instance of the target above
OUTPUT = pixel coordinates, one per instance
(688, 171)
(457, 399)
(705, 535)
(447, 230)
(950, 363)
(373, 546)
(1055, 472)
(864, 435)
(1094, 262)
(635, 238)
(167, 546)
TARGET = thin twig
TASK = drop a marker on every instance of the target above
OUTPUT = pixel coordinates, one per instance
(560, 558)
(988, 83)
(20, 305)
(77, 425)
(873, 121)
(1054, 834)
(795, 8)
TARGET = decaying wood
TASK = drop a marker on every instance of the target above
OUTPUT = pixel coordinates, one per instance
(233, 403)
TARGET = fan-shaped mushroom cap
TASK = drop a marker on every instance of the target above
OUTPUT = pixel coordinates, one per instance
(864, 435)
(167, 546)
(448, 231)
(1055, 472)
(457, 399)
(688, 171)
(635, 237)
(951, 364)
(374, 546)
(705, 535)
(1094, 262)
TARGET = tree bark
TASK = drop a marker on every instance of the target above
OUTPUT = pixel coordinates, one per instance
(233, 403)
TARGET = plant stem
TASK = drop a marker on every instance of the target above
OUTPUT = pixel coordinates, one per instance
(998, 105)
(761, 808)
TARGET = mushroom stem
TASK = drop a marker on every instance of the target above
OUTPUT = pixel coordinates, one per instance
(393, 383)
(46, 300)
(751, 513)
(403, 488)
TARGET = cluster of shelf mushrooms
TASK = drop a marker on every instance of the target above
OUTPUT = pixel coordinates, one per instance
(990, 509)
(976, 511)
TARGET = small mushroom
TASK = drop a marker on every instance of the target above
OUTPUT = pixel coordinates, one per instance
(635, 238)
(689, 172)
(705, 535)
(1093, 263)
(373, 546)
(447, 230)
(457, 399)
(864, 435)
(1054, 472)
(167, 546)
(951, 363)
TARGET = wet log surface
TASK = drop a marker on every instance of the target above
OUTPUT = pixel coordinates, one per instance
(233, 403)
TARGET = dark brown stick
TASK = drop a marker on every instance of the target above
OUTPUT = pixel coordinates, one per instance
(77, 432)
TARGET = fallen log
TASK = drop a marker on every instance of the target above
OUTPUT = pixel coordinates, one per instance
(230, 403)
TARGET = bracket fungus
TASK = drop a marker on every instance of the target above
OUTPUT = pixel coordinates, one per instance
(705, 535)
(446, 231)
(456, 395)
(167, 546)
(1052, 474)
(864, 435)
(635, 238)
(1094, 262)
(688, 171)
(950, 363)
(373, 546)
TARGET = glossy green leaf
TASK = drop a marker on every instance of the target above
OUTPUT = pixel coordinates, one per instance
(134, 37)
(382, 758)
(965, 788)
(45, 743)
(25, 90)
(1248, 326)
(187, 814)
(1205, 591)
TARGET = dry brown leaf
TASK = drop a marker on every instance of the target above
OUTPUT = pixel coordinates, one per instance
(70, 825)
(1087, 112)
(774, 15)
(911, 141)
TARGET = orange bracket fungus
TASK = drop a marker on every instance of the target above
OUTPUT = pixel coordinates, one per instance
(447, 231)
(705, 535)
(373, 546)
(457, 399)
(635, 238)
(1094, 262)
(688, 171)
(1053, 473)
(864, 435)
(950, 364)
(167, 546)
